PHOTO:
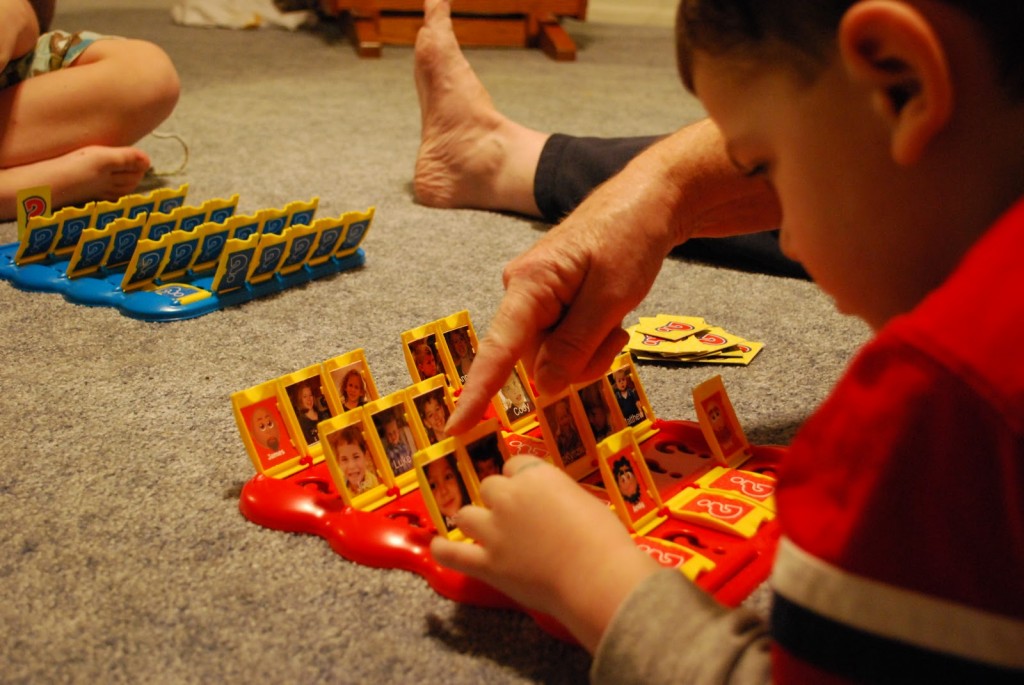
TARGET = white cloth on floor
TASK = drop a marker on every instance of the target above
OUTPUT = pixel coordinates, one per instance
(237, 14)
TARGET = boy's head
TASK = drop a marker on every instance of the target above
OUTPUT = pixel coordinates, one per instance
(892, 131)
(804, 33)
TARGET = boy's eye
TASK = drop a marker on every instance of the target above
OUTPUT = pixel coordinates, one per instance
(758, 169)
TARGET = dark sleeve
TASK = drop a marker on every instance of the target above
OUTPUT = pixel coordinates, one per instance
(671, 631)
(570, 167)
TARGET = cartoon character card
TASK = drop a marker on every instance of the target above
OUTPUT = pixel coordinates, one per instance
(264, 431)
(628, 482)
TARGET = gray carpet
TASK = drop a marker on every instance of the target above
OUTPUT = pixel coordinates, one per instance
(123, 555)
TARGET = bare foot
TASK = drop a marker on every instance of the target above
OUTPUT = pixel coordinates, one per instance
(90, 173)
(471, 155)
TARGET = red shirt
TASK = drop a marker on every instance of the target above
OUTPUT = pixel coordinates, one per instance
(902, 497)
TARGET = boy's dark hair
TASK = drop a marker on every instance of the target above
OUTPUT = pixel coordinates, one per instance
(804, 32)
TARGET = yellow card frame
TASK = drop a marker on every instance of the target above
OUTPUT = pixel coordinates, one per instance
(266, 399)
(32, 202)
(269, 254)
(244, 226)
(292, 383)
(472, 442)
(516, 418)
(159, 200)
(642, 426)
(352, 428)
(448, 328)
(597, 394)
(212, 240)
(445, 451)
(37, 239)
(581, 459)
(233, 266)
(329, 233)
(125, 234)
(434, 388)
(336, 371)
(357, 226)
(719, 424)
(301, 213)
(645, 514)
(71, 222)
(144, 267)
(182, 250)
(400, 402)
(91, 252)
(300, 241)
(273, 221)
(413, 341)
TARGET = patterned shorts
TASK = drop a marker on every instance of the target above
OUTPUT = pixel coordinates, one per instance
(54, 50)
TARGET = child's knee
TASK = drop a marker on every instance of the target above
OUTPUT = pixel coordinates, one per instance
(142, 81)
(158, 85)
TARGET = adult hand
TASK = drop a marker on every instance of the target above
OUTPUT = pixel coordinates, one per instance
(549, 545)
(565, 297)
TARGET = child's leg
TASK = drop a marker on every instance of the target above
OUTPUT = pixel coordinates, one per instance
(70, 128)
(115, 93)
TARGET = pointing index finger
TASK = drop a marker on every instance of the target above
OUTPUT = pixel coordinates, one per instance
(520, 318)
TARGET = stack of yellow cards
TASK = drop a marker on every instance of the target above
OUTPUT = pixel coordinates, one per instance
(667, 337)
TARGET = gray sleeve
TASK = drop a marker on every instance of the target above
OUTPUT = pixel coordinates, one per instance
(670, 631)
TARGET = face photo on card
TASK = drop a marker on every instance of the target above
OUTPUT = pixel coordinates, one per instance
(516, 403)
(443, 486)
(460, 343)
(396, 437)
(596, 401)
(432, 405)
(307, 401)
(351, 459)
(348, 381)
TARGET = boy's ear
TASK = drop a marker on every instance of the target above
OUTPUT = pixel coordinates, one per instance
(893, 49)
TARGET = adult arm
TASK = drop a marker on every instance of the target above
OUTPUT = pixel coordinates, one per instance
(567, 295)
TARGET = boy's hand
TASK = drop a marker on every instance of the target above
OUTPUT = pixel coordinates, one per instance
(549, 545)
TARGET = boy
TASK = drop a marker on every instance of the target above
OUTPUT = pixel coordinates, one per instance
(71, 107)
(892, 132)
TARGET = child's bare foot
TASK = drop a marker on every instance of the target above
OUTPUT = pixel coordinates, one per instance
(90, 173)
(471, 155)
